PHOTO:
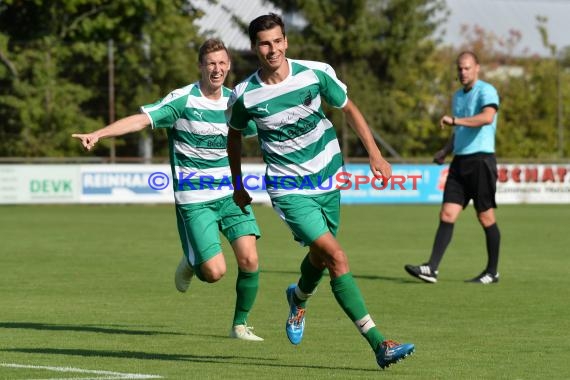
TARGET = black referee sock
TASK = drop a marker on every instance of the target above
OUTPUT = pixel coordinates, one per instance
(493, 238)
(442, 239)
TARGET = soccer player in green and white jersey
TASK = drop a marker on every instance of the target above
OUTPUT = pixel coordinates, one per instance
(197, 134)
(299, 144)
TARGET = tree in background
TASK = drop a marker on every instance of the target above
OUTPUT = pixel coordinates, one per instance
(37, 104)
(54, 71)
(411, 75)
(384, 51)
(529, 117)
(402, 78)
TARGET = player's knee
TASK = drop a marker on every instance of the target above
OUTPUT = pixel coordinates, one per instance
(447, 216)
(486, 220)
(248, 263)
(213, 277)
(213, 274)
(337, 260)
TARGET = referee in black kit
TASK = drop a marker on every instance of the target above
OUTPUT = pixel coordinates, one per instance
(473, 171)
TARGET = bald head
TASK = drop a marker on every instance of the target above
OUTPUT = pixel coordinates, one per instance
(467, 69)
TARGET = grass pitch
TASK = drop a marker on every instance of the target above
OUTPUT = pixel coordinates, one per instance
(91, 288)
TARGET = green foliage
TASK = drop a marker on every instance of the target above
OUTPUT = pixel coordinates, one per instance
(385, 52)
(55, 71)
(407, 67)
(531, 90)
(528, 116)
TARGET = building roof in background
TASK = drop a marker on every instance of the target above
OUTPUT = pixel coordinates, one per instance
(498, 17)
(218, 20)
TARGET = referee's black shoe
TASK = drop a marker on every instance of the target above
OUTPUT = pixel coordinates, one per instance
(485, 278)
(423, 272)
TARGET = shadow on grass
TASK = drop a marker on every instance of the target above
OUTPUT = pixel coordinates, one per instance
(401, 280)
(81, 328)
(219, 359)
(127, 354)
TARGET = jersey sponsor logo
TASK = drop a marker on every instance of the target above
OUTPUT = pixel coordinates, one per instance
(300, 128)
(211, 142)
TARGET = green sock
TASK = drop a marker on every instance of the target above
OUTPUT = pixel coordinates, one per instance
(310, 278)
(348, 296)
(247, 284)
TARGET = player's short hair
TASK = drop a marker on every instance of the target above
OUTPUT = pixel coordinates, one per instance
(262, 23)
(209, 46)
(467, 53)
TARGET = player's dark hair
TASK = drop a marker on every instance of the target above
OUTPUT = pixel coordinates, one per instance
(469, 54)
(262, 23)
(209, 46)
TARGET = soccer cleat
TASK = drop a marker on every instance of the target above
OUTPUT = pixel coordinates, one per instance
(183, 275)
(423, 272)
(390, 352)
(244, 332)
(295, 325)
(485, 278)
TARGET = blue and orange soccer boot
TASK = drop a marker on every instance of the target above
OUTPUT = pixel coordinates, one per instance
(295, 325)
(390, 352)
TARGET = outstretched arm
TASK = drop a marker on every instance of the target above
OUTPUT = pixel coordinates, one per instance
(120, 127)
(379, 166)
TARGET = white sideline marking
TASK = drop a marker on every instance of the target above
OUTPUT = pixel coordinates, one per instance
(109, 374)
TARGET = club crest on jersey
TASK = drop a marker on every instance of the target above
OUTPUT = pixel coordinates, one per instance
(308, 99)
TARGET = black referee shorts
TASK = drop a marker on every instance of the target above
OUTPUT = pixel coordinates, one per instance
(472, 176)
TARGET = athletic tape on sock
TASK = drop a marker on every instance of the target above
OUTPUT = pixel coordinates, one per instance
(302, 295)
(364, 324)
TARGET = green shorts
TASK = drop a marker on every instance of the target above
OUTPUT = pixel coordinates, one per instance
(309, 216)
(199, 226)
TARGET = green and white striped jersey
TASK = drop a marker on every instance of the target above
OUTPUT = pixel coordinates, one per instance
(299, 144)
(197, 138)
